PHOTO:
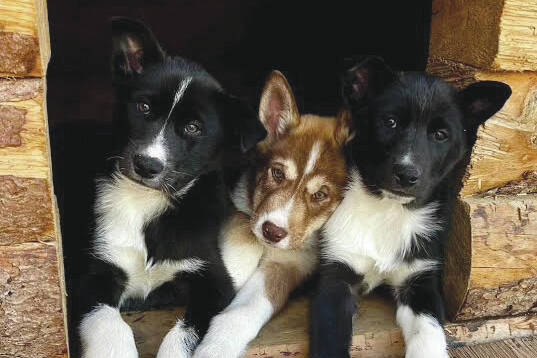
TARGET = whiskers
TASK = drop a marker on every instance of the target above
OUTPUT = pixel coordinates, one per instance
(183, 173)
(168, 187)
(115, 157)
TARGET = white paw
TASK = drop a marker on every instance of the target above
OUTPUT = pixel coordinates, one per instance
(179, 342)
(104, 334)
(228, 335)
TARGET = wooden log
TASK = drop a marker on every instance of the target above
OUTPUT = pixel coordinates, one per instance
(488, 34)
(26, 207)
(31, 316)
(24, 38)
(506, 147)
(375, 331)
(491, 257)
(32, 292)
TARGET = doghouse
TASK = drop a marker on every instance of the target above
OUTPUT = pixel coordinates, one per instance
(490, 277)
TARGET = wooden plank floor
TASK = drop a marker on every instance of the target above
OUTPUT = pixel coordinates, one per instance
(376, 334)
(511, 348)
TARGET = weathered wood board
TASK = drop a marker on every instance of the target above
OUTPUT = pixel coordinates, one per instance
(31, 312)
(496, 35)
(32, 293)
(24, 37)
(376, 334)
(491, 258)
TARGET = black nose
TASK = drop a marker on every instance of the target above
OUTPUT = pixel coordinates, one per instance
(406, 175)
(273, 232)
(146, 167)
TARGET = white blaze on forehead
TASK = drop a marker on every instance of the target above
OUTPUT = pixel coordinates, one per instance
(157, 149)
(179, 93)
(313, 157)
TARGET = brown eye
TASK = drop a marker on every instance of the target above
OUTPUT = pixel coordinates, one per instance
(193, 128)
(390, 122)
(278, 174)
(319, 195)
(441, 135)
(143, 107)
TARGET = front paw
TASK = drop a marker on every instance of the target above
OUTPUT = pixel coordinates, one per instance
(103, 333)
(179, 342)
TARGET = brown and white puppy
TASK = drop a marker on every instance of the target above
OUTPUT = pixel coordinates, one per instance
(270, 245)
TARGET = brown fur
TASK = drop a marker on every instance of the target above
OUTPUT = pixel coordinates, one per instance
(294, 142)
(280, 280)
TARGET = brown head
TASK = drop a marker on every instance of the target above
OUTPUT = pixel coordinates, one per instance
(301, 174)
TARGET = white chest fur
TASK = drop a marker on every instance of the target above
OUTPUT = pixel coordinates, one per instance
(123, 208)
(372, 234)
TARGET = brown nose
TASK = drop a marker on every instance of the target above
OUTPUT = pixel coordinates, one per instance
(272, 232)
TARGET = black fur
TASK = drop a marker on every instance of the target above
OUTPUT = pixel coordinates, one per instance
(394, 114)
(224, 130)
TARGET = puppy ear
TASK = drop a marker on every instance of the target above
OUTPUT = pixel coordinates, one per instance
(278, 111)
(367, 78)
(481, 100)
(134, 47)
(344, 132)
(246, 130)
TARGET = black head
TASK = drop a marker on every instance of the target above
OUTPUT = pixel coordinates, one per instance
(413, 129)
(178, 121)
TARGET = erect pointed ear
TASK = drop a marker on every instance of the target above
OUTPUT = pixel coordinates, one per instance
(278, 111)
(365, 79)
(344, 131)
(134, 47)
(241, 120)
(481, 100)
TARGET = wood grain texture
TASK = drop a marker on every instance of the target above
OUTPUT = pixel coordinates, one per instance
(495, 35)
(25, 211)
(491, 256)
(31, 323)
(375, 332)
(509, 348)
(25, 38)
(13, 90)
(506, 146)
(30, 159)
(11, 122)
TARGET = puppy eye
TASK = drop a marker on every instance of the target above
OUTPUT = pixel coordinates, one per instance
(277, 174)
(193, 128)
(319, 195)
(390, 122)
(143, 107)
(440, 135)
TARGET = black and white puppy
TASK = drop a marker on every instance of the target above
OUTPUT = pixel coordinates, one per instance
(159, 211)
(413, 134)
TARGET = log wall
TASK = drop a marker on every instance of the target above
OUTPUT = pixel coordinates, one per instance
(32, 294)
(491, 258)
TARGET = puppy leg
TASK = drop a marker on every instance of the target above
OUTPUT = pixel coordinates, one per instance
(179, 342)
(104, 334)
(420, 314)
(331, 311)
(265, 293)
(209, 294)
(101, 330)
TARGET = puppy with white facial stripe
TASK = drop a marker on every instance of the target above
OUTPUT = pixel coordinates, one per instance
(284, 200)
(413, 137)
(160, 210)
